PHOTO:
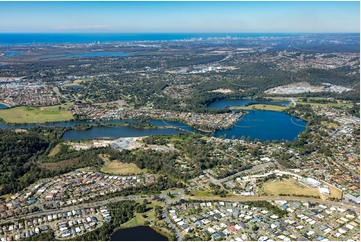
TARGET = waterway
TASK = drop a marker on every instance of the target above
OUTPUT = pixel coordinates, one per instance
(140, 233)
(12, 53)
(110, 131)
(261, 125)
(224, 103)
(256, 124)
(2, 106)
(265, 125)
(87, 54)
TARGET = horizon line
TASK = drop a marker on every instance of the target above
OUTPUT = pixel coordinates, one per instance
(261, 32)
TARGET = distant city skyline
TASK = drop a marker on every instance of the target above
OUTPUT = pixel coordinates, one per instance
(179, 17)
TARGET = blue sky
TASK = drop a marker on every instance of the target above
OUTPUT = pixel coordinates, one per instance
(176, 17)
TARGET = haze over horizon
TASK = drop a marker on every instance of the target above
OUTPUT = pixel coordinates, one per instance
(180, 17)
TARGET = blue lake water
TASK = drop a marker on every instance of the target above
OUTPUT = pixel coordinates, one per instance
(2, 106)
(243, 102)
(115, 132)
(121, 131)
(109, 132)
(12, 53)
(139, 233)
(265, 125)
(261, 125)
(256, 124)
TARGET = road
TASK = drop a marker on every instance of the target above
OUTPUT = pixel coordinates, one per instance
(178, 194)
(293, 102)
(81, 206)
(253, 169)
(272, 198)
(178, 234)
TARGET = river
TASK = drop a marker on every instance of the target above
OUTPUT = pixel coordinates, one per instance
(140, 233)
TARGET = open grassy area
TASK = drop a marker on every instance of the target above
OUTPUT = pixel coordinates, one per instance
(77, 82)
(330, 104)
(289, 187)
(82, 80)
(54, 166)
(54, 151)
(329, 124)
(71, 84)
(140, 218)
(119, 168)
(268, 107)
(334, 192)
(36, 114)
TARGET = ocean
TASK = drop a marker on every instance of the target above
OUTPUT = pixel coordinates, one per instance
(57, 38)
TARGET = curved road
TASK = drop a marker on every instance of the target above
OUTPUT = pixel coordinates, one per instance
(271, 198)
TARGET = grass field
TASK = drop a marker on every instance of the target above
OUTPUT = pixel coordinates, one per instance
(289, 187)
(268, 107)
(149, 215)
(77, 82)
(334, 192)
(82, 80)
(53, 166)
(348, 105)
(55, 150)
(140, 218)
(36, 114)
(119, 168)
(329, 124)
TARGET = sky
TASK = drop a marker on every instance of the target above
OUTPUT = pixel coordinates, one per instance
(179, 17)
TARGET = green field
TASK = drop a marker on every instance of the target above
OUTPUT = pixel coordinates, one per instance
(36, 114)
(268, 107)
(119, 168)
(140, 218)
(330, 104)
(55, 150)
(289, 187)
(77, 82)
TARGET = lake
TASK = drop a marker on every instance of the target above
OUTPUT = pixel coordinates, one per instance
(115, 132)
(2, 106)
(110, 132)
(243, 102)
(256, 124)
(121, 131)
(140, 233)
(265, 125)
(12, 53)
(87, 54)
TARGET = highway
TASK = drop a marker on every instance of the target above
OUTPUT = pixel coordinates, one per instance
(80, 206)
